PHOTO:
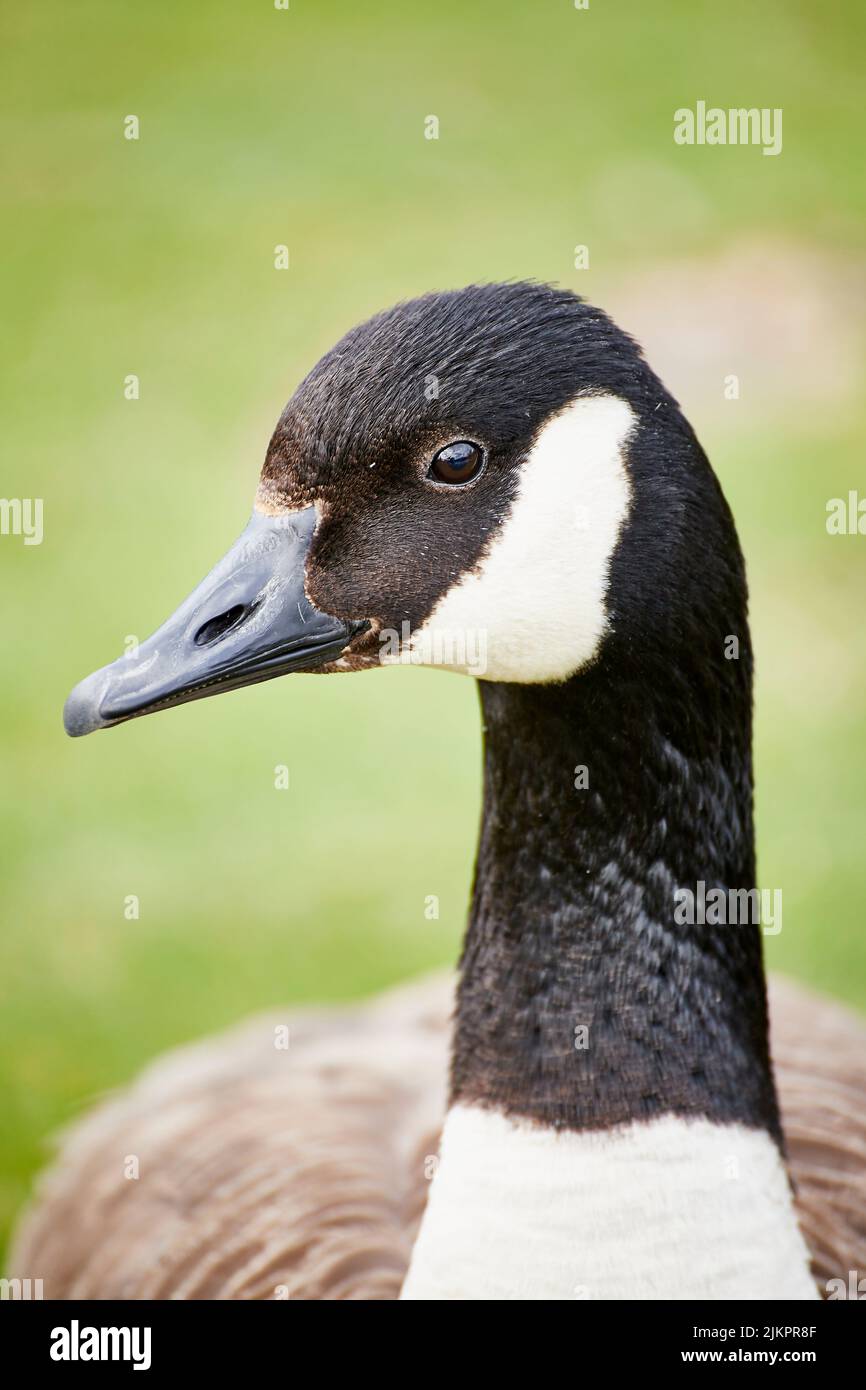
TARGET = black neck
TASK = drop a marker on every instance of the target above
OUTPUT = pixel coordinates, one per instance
(572, 922)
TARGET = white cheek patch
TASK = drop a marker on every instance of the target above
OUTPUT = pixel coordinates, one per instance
(534, 610)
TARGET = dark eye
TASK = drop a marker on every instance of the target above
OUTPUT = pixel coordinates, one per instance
(457, 463)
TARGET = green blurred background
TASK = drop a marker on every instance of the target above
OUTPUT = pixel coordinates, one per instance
(155, 257)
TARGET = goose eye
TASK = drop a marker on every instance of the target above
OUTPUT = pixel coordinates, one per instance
(457, 463)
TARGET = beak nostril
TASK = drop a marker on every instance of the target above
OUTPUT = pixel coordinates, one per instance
(217, 627)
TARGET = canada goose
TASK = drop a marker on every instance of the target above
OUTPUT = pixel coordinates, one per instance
(495, 481)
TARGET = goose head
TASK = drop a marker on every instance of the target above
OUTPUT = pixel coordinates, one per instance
(490, 480)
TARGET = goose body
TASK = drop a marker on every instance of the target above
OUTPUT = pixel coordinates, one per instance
(264, 1179)
(610, 1126)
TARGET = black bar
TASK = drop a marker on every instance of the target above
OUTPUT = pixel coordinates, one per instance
(244, 1337)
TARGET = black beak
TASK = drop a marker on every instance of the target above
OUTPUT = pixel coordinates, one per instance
(248, 621)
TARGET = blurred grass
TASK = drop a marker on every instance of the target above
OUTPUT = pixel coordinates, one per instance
(156, 257)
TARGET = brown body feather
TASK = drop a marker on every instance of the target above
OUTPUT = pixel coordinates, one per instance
(303, 1173)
